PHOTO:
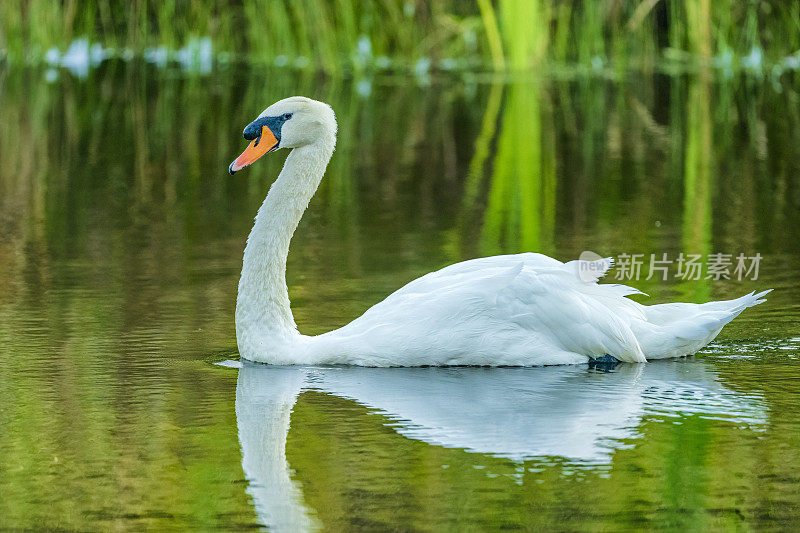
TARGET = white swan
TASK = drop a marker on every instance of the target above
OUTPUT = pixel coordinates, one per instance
(524, 309)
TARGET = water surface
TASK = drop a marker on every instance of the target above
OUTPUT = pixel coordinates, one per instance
(121, 237)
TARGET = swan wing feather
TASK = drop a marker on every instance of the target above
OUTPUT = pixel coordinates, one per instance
(514, 309)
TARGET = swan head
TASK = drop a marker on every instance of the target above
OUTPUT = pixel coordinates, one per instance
(289, 123)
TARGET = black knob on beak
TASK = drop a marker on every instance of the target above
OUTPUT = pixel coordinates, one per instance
(253, 130)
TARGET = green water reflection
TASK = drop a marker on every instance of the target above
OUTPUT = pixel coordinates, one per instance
(120, 246)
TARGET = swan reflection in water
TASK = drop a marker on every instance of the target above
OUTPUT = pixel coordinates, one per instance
(516, 413)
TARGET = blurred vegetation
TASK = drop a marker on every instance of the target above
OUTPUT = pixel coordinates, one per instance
(121, 233)
(121, 238)
(759, 35)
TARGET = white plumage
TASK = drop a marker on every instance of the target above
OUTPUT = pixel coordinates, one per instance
(523, 309)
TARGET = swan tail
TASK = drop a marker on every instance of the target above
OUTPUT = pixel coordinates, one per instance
(678, 329)
(749, 300)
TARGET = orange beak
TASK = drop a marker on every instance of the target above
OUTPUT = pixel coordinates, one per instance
(264, 144)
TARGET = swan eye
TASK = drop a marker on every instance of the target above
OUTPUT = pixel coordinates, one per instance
(286, 116)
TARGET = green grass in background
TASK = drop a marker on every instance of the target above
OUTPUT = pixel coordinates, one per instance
(501, 35)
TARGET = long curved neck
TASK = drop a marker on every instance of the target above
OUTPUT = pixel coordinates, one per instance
(263, 316)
